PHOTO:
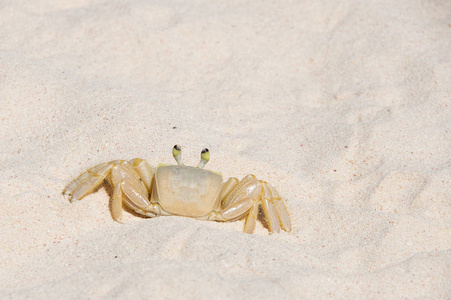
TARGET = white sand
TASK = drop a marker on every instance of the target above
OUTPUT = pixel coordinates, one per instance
(344, 107)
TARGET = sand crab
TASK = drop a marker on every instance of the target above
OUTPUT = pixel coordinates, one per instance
(184, 191)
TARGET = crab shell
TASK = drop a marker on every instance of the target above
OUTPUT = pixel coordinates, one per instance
(187, 191)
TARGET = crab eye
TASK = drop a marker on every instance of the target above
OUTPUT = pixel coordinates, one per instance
(177, 153)
(204, 158)
(176, 150)
(205, 154)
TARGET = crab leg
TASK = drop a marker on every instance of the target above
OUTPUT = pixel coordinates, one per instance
(116, 203)
(88, 181)
(274, 208)
(133, 199)
(238, 201)
(127, 181)
(130, 179)
(249, 226)
(245, 198)
(142, 167)
(227, 187)
(239, 190)
(269, 209)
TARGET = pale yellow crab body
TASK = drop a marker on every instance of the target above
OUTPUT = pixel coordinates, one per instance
(184, 191)
(187, 191)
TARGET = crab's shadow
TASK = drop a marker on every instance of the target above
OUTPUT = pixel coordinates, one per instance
(261, 217)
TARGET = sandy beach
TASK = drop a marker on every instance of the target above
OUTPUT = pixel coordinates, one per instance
(343, 106)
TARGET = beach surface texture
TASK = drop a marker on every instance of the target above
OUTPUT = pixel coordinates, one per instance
(343, 106)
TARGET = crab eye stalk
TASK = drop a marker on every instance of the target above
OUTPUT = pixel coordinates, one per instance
(177, 153)
(204, 158)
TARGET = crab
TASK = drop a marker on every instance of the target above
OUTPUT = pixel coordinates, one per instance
(181, 190)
